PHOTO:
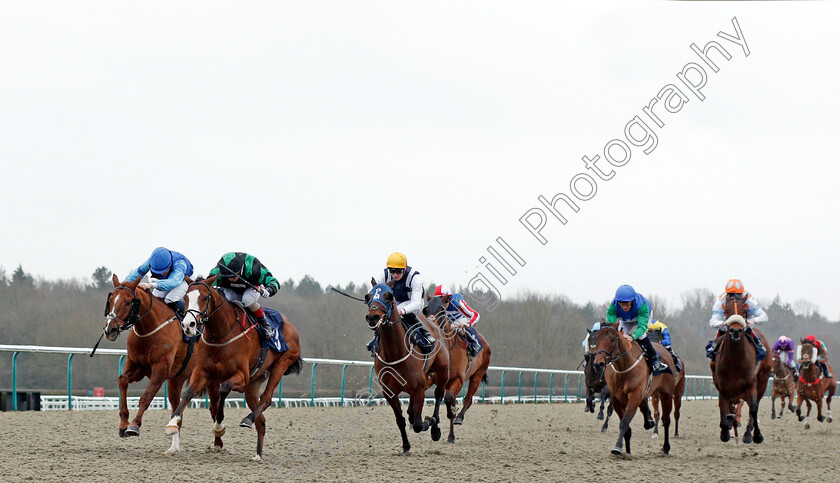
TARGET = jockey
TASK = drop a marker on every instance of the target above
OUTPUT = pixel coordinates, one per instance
(169, 269)
(461, 316)
(409, 294)
(784, 344)
(634, 311)
(822, 354)
(755, 315)
(658, 332)
(244, 279)
(585, 343)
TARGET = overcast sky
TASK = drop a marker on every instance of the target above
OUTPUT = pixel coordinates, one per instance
(322, 136)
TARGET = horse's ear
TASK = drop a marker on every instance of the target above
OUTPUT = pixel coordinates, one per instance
(801, 341)
(614, 325)
(391, 283)
(367, 298)
(372, 282)
(115, 279)
(603, 320)
(210, 280)
(188, 280)
(134, 284)
(588, 331)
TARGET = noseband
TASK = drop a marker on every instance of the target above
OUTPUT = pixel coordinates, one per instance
(203, 313)
(384, 319)
(609, 354)
(133, 314)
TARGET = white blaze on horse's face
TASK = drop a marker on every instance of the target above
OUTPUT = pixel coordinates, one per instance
(190, 325)
(111, 324)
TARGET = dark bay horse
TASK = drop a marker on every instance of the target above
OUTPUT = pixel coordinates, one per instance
(400, 368)
(783, 387)
(630, 382)
(228, 360)
(812, 386)
(736, 374)
(462, 367)
(595, 383)
(155, 346)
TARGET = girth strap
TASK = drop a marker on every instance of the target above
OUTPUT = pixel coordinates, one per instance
(256, 369)
(186, 358)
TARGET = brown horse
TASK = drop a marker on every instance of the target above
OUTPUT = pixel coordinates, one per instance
(631, 382)
(679, 390)
(812, 386)
(462, 367)
(783, 386)
(399, 368)
(155, 348)
(229, 360)
(736, 374)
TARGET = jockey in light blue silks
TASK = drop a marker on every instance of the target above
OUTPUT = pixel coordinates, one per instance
(633, 311)
(168, 271)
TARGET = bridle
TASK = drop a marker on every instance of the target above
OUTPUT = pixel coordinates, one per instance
(211, 301)
(610, 358)
(133, 314)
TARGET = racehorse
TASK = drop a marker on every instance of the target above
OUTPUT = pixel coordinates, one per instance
(155, 346)
(595, 383)
(230, 359)
(462, 367)
(679, 390)
(736, 374)
(812, 386)
(631, 382)
(783, 386)
(399, 368)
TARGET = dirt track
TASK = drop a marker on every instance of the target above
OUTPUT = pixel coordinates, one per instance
(497, 443)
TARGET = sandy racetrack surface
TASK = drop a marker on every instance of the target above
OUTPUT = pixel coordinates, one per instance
(547, 442)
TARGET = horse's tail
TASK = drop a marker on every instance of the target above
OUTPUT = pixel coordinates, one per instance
(484, 378)
(296, 367)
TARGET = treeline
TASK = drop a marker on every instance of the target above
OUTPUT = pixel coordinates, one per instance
(530, 330)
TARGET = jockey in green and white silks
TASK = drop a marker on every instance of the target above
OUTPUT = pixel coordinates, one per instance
(168, 269)
(633, 312)
(243, 278)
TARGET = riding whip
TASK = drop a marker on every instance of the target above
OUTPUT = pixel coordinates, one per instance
(97, 344)
(346, 295)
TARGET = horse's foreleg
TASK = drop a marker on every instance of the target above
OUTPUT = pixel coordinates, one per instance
(156, 379)
(130, 374)
(198, 380)
(818, 402)
(607, 420)
(677, 404)
(773, 405)
(418, 400)
(725, 425)
(624, 430)
(831, 389)
(799, 400)
(589, 405)
(394, 402)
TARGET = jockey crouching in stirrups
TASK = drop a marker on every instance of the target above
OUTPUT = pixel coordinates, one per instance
(658, 332)
(169, 268)
(243, 279)
(462, 317)
(409, 294)
(755, 315)
(633, 311)
(786, 346)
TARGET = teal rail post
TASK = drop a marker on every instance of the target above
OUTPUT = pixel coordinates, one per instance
(519, 396)
(14, 381)
(565, 388)
(280, 394)
(312, 386)
(695, 388)
(165, 398)
(343, 378)
(483, 389)
(550, 386)
(703, 388)
(122, 360)
(502, 390)
(579, 393)
(536, 374)
(370, 382)
(70, 382)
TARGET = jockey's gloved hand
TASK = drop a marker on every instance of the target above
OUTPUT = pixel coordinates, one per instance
(265, 292)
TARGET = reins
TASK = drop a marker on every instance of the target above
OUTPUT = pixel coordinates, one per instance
(205, 317)
(133, 315)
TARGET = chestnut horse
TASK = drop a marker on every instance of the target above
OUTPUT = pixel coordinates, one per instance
(630, 382)
(462, 367)
(679, 390)
(783, 386)
(812, 386)
(736, 374)
(155, 346)
(399, 368)
(595, 383)
(229, 360)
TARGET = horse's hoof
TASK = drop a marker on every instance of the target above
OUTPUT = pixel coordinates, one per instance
(807, 426)
(122, 433)
(170, 430)
(406, 448)
(451, 440)
(828, 419)
(747, 439)
(758, 438)
(132, 431)
(724, 436)
(801, 418)
(773, 416)
(820, 418)
(458, 420)
(604, 429)
(256, 458)
(649, 424)
(246, 422)
(600, 416)
(617, 451)
(435, 433)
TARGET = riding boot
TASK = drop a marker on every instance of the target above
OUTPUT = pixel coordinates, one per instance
(371, 346)
(713, 345)
(265, 328)
(420, 336)
(760, 351)
(473, 345)
(824, 368)
(677, 361)
(654, 361)
(178, 307)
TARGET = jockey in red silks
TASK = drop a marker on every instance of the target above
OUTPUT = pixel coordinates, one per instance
(755, 315)
(822, 353)
(461, 316)
(786, 346)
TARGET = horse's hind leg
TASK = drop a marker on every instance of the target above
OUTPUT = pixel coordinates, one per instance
(773, 406)
(254, 403)
(274, 378)
(666, 402)
(677, 404)
(454, 387)
(198, 380)
(475, 381)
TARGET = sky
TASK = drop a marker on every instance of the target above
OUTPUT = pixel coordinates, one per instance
(322, 136)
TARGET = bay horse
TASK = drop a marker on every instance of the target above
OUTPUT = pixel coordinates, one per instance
(462, 367)
(679, 390)
(595, 383)
(736, 374)
(155, 347)
(631, 382)
(229, 360)
(783, 386)
(399, 368)
(812, 386)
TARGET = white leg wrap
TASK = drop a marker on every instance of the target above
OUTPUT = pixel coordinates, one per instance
(176, 444)
(172, 427)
